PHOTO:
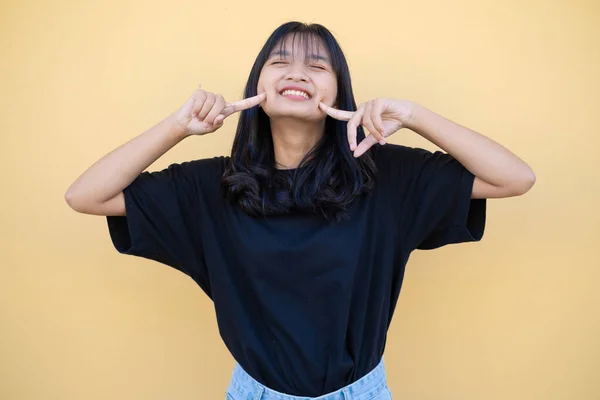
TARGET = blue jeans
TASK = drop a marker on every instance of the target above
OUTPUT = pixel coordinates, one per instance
(372, 386)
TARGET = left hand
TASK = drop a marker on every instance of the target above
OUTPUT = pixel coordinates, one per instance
(382, 117)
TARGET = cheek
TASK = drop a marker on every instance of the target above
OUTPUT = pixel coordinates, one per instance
(266, 81)
(329, 93)
(264, 85)
(260, 87)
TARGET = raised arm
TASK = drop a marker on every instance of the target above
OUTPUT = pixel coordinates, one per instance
(498, 172)
(99, 190)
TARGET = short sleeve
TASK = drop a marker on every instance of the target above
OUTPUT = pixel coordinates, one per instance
(432, 193)
(162, 220)
(442, 210)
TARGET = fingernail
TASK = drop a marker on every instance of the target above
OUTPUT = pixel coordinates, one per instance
(382, 142)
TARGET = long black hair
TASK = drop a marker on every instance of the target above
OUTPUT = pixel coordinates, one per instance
(328, 178)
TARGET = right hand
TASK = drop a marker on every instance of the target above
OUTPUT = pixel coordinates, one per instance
(204, 112)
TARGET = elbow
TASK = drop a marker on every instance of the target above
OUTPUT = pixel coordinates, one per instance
(73, 201)
(524, 183)
(515, 184)
(69, 198)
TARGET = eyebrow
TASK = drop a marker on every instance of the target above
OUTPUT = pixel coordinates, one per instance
(286, 53)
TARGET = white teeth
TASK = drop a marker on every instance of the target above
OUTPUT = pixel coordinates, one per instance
(294, 93)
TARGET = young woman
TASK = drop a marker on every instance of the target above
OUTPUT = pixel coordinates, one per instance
(301, 236)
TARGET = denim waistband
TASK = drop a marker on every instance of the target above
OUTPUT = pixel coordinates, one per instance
(365, 388)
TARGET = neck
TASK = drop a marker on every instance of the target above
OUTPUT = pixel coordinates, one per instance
(293, 139)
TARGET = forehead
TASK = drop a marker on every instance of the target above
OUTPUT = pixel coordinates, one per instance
(301, 46)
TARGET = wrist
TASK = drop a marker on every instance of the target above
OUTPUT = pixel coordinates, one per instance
(175, 129)
(412, 115)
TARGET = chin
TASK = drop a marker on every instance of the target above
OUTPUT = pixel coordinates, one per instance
(297, 115)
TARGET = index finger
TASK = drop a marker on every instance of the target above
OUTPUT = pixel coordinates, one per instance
(245, 103)
(365, 145)
(335, 113)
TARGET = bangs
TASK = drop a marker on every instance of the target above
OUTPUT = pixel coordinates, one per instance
(304, 42)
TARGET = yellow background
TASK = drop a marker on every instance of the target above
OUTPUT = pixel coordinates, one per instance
(516, 316)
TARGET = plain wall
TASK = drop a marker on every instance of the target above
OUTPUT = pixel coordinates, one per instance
(516, 316)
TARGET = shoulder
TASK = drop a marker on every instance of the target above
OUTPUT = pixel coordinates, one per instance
(403, 166)
(217, 163)
(395, 153)
(182, 176)
(408, 158)
(394, 157)
(204, 168)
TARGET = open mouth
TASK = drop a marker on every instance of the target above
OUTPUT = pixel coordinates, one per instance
(295, 94)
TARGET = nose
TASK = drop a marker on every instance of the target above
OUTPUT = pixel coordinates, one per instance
(297, 73)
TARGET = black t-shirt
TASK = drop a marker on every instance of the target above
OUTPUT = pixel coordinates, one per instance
(302, 304)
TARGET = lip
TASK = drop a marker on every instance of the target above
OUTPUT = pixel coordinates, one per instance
(298, 88)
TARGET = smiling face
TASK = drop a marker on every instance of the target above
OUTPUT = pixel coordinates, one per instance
(296, 77)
